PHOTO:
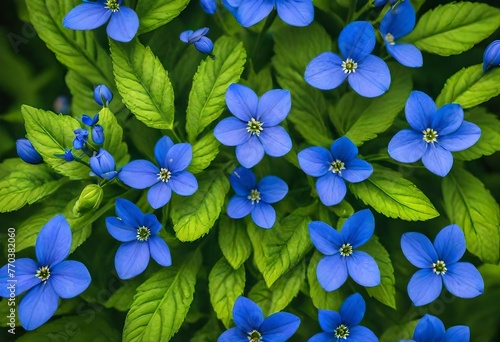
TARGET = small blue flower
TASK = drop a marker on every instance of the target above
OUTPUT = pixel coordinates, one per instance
(255, 198)
(367, 74)
(439, 264)
(397, 23)
(491, 57)
(343, 325)
(123, 21)
(170, 176)
(103, 165)
(81, 137)
(254, 129)
(251, 325)
(333, 167)
(434, 135)
(208, 6)
(138, 232)
(198, 39)
(431, 329)
(27, 152)
(97, 131)
(250, 12)
(341, 259)
(102, 95)
(48, 278)
(67, 155)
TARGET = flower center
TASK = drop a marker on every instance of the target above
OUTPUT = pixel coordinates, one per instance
(43, 273)
(349, 66)
(112, 5)
(345, 250)
(430, 135)
(254, 336)
(254, 127)
(342, 332)
(164, 175)
(337, 166)
(390, 39)
(254, 196)
(143, 233)
(439, 267)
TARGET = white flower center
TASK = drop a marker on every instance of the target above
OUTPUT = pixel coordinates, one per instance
(254, 336)
(337, 166)
(254, 196)
(345, 250)
(390, 39)
(430, 135)
(439, 267)
(349, 66)
(164, 175)
(342, 331)
(254, 127)
(43, 273)
(143, 233)
(112, 5)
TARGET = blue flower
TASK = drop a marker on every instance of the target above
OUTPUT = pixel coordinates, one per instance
(341, 259)
(209, 6)
(48, 278)
(123, 21)
(169, 176)
(255, 198)
(431, 329)
(198, 39)
(251, 325)
(67, 155)
(97, 131)
(397, 23)
(434, 134)
(250, 12)
(27, 152)
(103, 165)
(254, 129)
(333, 167)
(102, 95)
(491, 57)
(138, 232)
(439, 264)
(343, 325)
(367, 74)
(81, 137)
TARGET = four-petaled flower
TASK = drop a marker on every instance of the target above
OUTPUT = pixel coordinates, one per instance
(198, 39)
(254, 129)
(255, 198)
(171, 175)
(434, 135)
(367, 74)
(97, 131)
(123, 21)
(439, 264)
(430, 328)
(332, 167)
(48, 278)
(252, 327)
(343, 325)
(491, 56)
(27, 152)
(341, 259)
(138, 232)
(81, 137)
(103, 165)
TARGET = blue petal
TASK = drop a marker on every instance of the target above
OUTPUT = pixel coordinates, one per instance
(272, 189)
(407, 146)
(325, 71)
(204, 45)
(131, 259)
(184, 37)
(315, 161)
(343, 149)
(98, 134)
(352, 310)
(450, 244)
(363, 269)
(119, 230)
(437, 160)
(398, 21)
(331, 189)
(447, 119)
(418, 249)
(86, 16)
(69, 278)
(251, 12)
(406, 54)
(264, 215)
(159, 195)
(151, 221)
(295, 12)
(129, 213)
(123, 25)
(332, 272)
(464, 137)
(429, 328)
(273, 107)
(372, 77)
(424, 287)
(358, 228)
(208, 6)
(419, 109)
(24, 277)
(357, 40)
(242, 101)
(233, 335)
(179, 157)
(183, 183)
(250, 153)
(323, 337)
(276, 141)
(247, 315)
(161, 149)
(357, 170)
(279, 326)
(232, 9)
(37, 306)
(459, 333)
(329, 320)
(139, 174)
(234, 3)
(198, 34)
(53, 242)
(463, 280)
(27, 152)
(159, 251)
(326, 239)
(362, 334)
(243, 181)
(491, 56)
(231, 131)
(239, 207)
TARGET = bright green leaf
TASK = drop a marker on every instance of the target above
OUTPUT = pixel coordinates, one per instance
(234, 241)
(322, 299)
(155, 13)
(113, 135)
(204, 151)
(122, 298)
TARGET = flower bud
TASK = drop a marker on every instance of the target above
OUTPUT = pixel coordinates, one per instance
(102, 95)
(67, 155)
(90, 199)
(491, 57)
(27, 152)
(81, 137)
(103, 165)
(98, 134)
(208, 6)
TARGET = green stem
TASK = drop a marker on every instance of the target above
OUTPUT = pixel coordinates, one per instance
(368, 6)
(352, 9)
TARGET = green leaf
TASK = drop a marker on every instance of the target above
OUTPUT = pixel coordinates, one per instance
(162, 302)
(82, 94)
(209, 332)
(51, 134)
(207, 97)
(122, 298)
(225, 284)
(113, 136)
(143, 83)
(155, 13)
(25, 184)
(309, 107)
(470, 205)
(260, 82)
(234, 241)
(454, 28)
(204, 151)
(390, 194)
(470, 87)
(322, 299)
(278, 249)
(195, 215)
